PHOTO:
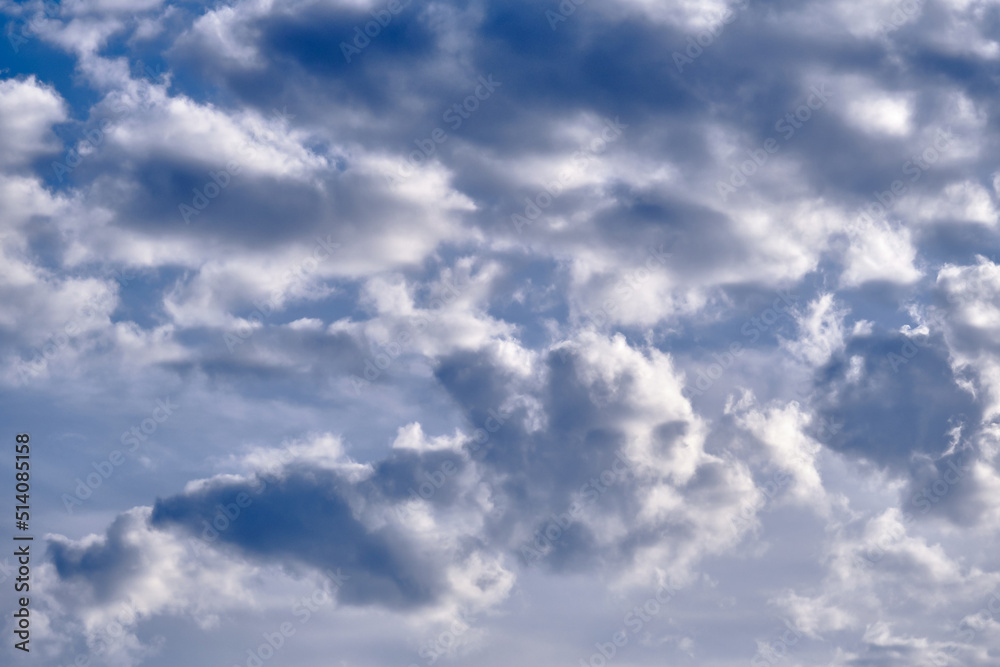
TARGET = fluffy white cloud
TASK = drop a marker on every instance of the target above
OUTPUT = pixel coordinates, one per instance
(606, 325)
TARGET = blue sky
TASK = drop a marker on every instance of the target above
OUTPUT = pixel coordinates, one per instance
(369, 333)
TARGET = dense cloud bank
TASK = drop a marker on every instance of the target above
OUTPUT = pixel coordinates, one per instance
(506, 331)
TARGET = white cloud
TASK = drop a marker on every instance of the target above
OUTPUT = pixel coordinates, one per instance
(28, 109)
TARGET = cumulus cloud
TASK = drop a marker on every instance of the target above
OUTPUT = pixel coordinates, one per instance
(491, 321)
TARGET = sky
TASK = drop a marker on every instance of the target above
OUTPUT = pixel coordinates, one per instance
(391, 333)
